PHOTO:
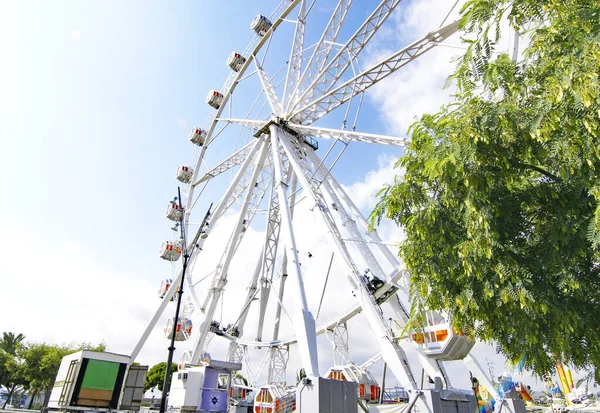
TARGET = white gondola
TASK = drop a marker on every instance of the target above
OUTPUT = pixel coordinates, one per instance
(214, 99)
(261, 25)
(184, 174)
(275, 398)
(198, 136)
(164, 287)
(174, 212)
(367, 387)
(439, 340)
(236, 61)
(182, 330)
(170, 251)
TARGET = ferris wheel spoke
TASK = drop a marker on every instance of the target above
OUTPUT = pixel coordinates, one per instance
(223, 205)
(323, 49)
(220, 277)
(295, 62)
(371, 233)
(269, 90)
(360, 83)
(252, 291)
(342, 60)
(268, 258)
(393, 354)
(270, 247)
(234, 160)
(304, 322)
(284, 265)
(345, 135)
(348, 221)
(249, 123)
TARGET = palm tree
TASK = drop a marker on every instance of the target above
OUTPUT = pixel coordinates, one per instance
(11, 342)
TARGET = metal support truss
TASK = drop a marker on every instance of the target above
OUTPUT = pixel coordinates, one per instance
(315, 109)
(338, 336)
(304, 322)
(348, 222)
(271, 246)
(284, 264)
(269, 90)
(372, 234)
(340, 62)
(268, 258)
(348, 135)
(220, 276)
(324, 133)
(278, 359)
(323, 49)
(234, 160)
(391, 350)
(237, 353)
(295, 62)
(246, 184)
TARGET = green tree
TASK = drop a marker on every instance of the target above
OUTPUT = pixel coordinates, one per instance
(10, 342)
(15, 379)
(501, 190)
(10, 368)
(156, 376)
(37, 370)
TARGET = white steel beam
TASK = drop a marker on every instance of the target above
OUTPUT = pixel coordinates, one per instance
(392, 259)
(323, 49)
(270, 250)
(315, 109)
(348, 135)
(340, 62)
(234, 160)
(348, 222)
(304, 322)
(249, 123)
(223, 268)
(295, 62)
(268, 258)
(326, 133)
(251, 294)
(224, 204)
(278, 359)
(284, 263)
(393, 354)
(272, 98)
(257, 188)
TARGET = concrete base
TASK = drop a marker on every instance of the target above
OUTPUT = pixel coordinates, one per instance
(326, 396)
(450, 401)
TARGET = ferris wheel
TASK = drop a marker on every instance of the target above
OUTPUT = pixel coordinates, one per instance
(284, 158)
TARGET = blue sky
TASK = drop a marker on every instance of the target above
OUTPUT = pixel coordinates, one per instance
(96, 102)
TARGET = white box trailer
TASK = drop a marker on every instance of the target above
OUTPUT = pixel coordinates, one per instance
(89, 380)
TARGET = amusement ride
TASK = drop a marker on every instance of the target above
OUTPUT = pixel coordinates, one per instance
(284, 159)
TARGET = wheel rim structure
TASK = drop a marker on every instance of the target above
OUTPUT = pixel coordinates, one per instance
(277, 168)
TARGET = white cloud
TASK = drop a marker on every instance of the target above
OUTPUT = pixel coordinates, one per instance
(180, 121)
(75, 34)
(418, 87)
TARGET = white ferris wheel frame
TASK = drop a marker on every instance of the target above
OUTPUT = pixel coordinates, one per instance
(282, 143)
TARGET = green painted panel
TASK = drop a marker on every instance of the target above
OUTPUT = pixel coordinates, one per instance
(100, 375)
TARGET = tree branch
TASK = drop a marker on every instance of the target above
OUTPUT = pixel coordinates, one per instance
(537, 169)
